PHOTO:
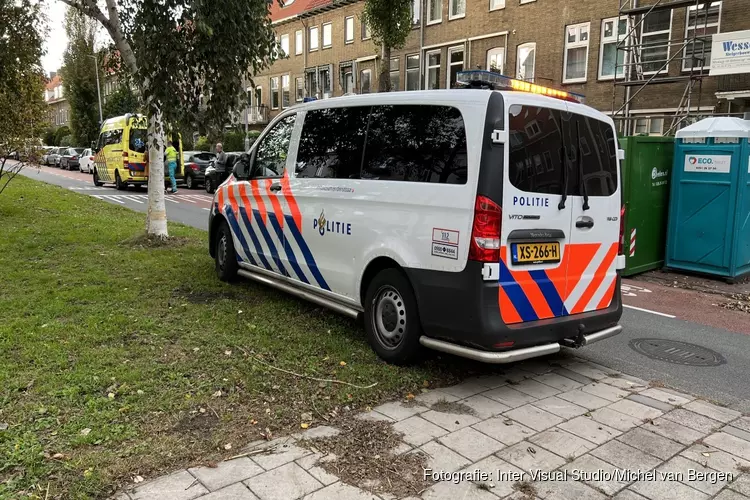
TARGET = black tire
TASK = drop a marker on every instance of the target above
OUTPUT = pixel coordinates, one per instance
(189, 181)
(391, 318)
(121, 186)
(225, 255)
(97, 182)
(209, 185)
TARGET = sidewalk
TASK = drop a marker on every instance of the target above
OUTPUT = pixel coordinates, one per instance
(579, 419)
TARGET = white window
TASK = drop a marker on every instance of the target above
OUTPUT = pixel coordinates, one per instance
(434, 11)
(299, 87)
(412, 72)
(327, 34)
(614, 31)
(700, 23)
(415, 9)
(455, 64)
(285, 91)
(314, 39)
(576, 52)
(496, 59)
(275, 92)
(457, 9)
(497, 4)
(655, 34)
(349, 30)
(395, 73)
(432, 75)
(649, 126)
(285, 45)
(366, 35)
(298, 48)
(525, 57)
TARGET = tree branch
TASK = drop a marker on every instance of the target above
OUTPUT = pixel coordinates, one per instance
(89, 8)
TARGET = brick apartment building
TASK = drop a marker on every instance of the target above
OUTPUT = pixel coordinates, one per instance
(57, 104)
(567, 44)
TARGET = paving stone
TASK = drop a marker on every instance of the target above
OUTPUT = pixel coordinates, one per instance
(588, 466)
(734, 431)
(373, 416)
(713, 458)
(536, 366)
(709, 410)
(466, 388)
(226, 473)
(536, 389)
(615, 419)
(341, 491)
(280, 454)
(122, 496)
(485, 407)
(560, 407)
(636, 410)
(666, 396)
(509, 396)
(533, 417)
(442, 458)
(504, 430)
(180, 485)
(584, 399)
(651, 443)
(742, 484)
(680, 467)
(693, 420)
(562, 443)
(625, 384)
(667, 490)
(287, 481)
(742, 423)
(517, 495)
(628, 495)
(429, 398)
(653, 403)
(417, 431)
(471, 443)
(520, 456)
(605, 391)
(559, 382)
(590, 429)
(236, 491)
(625, 457)
(731, 444)
(573, 375)
(449, 421)
(446, 490)
(398, 411)
(311, 464)
(587, 370)
(673, 430)
(729, 495)
(493, 381)
(322, 431)
(566, 490)
(502, 475)
(401, 448)
(517, 374)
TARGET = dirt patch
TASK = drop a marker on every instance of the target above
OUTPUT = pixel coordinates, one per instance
(364, 458)
(737, 302)
(744, 469)
(526, 488)
(204, 297)
(197, 421)
(143, 240)
(696, 282)
(455, 408)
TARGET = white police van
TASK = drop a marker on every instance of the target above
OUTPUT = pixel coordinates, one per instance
(481, 223)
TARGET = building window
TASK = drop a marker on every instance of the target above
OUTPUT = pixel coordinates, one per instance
(349, 30)
(525, 56)
(496, 59)
(299, 87)
(656, 126)
(285, 93)
(311, 82)
(364, 81)
(497, 4)
(412, 72)
(457, 9)
(701, 23)
(347, 77)
(656, 30)
(327, 34)
(432, 75)
(394, 70)
(366, 35)
(314, 39)
(416, 6)
(576, 52)
(298, 48)
(434, 11)
(275, 92)
(324, 80)
(455, 64)
(613, 32)
(284, 45)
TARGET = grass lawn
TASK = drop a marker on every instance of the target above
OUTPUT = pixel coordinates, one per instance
(120, 359)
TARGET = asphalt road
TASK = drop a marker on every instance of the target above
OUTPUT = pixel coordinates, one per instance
(652, 311)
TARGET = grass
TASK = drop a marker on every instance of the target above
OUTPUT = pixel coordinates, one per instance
(121, 358)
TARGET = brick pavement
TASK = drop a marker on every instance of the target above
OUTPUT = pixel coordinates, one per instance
(577, 419)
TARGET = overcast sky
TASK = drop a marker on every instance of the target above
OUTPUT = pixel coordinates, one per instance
(57, 40)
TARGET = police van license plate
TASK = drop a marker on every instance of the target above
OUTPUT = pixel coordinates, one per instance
(535, 253)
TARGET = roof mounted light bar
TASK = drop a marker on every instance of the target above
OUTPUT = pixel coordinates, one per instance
(479, 79)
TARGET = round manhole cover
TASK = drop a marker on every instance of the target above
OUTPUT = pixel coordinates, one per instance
(680, 353)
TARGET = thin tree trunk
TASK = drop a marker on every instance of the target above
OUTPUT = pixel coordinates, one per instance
(156, 217)
(384, 80)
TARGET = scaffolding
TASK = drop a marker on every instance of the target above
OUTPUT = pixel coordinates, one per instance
(641, 63)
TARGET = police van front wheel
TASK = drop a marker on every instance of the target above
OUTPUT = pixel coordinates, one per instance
(391, 318)
(225, 256)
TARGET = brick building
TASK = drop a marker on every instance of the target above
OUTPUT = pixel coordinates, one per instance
(57, 104)
(565, 44)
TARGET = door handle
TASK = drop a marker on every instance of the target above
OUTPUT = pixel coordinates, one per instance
(585, 224)
(275, 187)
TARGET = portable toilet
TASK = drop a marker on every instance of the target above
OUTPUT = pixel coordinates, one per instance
(709, 215)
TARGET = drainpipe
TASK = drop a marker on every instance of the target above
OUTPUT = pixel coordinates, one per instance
(422, 13)
(505, 61)
(304, 55)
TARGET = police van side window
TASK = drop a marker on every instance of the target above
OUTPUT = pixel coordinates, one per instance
(331, 143)
(535, 164)
(416, 144)
(270, 157)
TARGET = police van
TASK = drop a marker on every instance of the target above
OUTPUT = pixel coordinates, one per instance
(481, 223)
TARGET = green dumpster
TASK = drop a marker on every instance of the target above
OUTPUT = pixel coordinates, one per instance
(646, 174)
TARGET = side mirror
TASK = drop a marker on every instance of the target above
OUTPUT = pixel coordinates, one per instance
(241, 170)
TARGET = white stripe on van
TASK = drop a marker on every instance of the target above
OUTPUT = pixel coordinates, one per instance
(585, 280)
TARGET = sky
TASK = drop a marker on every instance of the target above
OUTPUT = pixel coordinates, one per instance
(56, 39)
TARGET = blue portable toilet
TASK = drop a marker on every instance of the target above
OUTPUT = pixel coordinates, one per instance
(709, 215)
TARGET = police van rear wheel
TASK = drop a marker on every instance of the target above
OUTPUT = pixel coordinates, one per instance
(226, 258)
(391, 319)
(97, 182)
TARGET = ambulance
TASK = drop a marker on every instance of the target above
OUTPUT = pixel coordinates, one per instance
(482, 222)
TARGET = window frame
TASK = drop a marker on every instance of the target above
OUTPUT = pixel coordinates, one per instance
(391, 71)
(297, 88)
(716, 25)
(500, 6)
(328, 25)
(259, 143)
(518, 62)
(285, 53)
(299, 44)
(286, 89)
(407, 69)
(614, 39)
(577, 44)
(369, 80)
(451, 16)
(427, 67)
(494, 51)
(366, 34)
(437, 20)
(416, 12)
(668, 41)
(275, 91)
(450, 64)
(347, 39)
(310, 38)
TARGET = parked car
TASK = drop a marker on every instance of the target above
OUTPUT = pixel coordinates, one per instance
(70, 158)
(86, 161)
(196, 163)
(216, 173)
(53, 157)
(46, 150)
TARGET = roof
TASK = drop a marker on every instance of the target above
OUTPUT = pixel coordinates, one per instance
(55, 82)
(294, 8)
(719, 126)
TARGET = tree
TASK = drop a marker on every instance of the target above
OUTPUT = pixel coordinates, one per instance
(22, 106)
(79, 75)
(390, 23)
(182, 54)
(61, 132)
(121, 101)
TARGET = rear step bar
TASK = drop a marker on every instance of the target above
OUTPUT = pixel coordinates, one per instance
(516, 354)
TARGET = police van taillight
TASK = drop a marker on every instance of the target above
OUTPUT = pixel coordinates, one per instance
(485, 231)
(621, 247)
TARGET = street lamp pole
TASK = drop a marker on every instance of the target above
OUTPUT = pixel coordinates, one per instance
(98, 91)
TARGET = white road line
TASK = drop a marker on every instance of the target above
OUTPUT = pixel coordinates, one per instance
(132, 198)
(113, 198)
(204, 208)
(649, 311)
(183, 198)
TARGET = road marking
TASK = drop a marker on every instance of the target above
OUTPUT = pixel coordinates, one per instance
(649, 311)
(132, 198)
(629, 290)
(204, 208)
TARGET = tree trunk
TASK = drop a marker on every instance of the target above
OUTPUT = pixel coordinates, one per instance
(156, 217)
(384, 80)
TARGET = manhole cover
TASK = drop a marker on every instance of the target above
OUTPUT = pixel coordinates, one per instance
(680, 353)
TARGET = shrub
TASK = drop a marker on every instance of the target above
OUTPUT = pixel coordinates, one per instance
(202, 144)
